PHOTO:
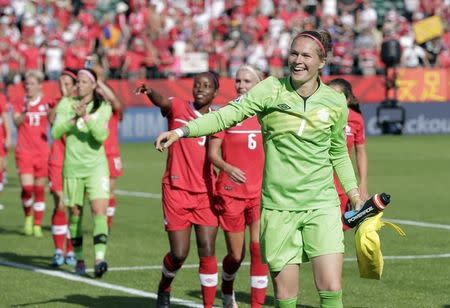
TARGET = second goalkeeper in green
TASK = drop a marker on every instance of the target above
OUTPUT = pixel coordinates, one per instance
(83, 122)
(302, 122)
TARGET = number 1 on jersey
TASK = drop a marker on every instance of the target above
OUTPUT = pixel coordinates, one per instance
(302, 127)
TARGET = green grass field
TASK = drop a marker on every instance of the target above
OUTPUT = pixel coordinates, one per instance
(415, 170)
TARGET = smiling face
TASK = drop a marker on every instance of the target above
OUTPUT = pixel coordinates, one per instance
(244, 81)
(304, 60)
(204, 89)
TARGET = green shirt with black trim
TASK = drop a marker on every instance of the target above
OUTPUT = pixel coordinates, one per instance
(84, 151)
(303, 141)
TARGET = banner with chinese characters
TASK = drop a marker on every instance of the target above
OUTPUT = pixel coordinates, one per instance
(423, 85)
(414, 86)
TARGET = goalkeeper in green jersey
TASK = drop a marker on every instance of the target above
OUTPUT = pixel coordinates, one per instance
(302, 122)
(84, 123)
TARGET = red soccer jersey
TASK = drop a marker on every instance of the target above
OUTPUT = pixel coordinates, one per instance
(187, 165)
(354, 130)
(112, 143)
(242, 147)
(32, 133)
(355, 134)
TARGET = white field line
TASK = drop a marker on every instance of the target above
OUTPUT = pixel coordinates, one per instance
(96, 283)
(194, 266)
(420, 224)
(139, 194)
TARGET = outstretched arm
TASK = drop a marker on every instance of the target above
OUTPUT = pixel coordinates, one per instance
(156, 98)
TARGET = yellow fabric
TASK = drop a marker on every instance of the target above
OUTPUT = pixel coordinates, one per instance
(368, 246)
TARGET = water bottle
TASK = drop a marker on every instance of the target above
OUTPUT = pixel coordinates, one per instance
(371, 207)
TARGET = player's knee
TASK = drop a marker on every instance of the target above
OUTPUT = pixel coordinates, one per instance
(331, 286)
(179, 256)
(237, 256)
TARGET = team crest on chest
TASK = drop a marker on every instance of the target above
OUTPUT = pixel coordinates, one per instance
(284, 106)
(323, 115)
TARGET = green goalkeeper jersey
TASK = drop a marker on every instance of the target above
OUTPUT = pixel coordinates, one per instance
(303, 140)
(84, 151)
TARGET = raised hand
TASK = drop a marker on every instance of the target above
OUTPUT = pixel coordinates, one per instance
(141, 89)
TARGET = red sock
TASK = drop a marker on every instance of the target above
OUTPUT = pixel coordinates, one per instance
(110, 211)
(59, 228)
(208, 279)
(169, 270)
(27, 199)
(39, 204)
(258, 276)
(69, 246)
(1, 180)
(229, 268)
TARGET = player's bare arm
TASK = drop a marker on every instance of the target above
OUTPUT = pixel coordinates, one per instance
(215, 156)
(155, 97)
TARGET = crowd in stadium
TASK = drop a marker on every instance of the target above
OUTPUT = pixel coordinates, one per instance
(139, 38)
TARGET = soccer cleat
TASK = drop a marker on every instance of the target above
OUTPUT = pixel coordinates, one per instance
(28, 226)
(80, 268)
(100, 268)
(229, 301)
(163, 300)
(58, 259)
(70, 260)
(37, 231)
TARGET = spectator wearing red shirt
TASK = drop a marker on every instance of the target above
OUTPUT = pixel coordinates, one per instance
(238, 153)
(32, 150)
(187, 187)
(134, 61)
(31, 55)
(355, 134)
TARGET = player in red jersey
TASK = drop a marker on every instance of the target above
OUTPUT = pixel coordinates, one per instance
(355, 134)
(5, 137)
(187, 189)
(61, 235)
(112, 145)
(32, 150)
(238, 153)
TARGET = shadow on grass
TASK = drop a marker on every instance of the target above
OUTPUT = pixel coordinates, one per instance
(98, 301)
(15, 231)
(241, 297)
(42, 262)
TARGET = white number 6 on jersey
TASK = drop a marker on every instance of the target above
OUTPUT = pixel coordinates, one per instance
(251, 141)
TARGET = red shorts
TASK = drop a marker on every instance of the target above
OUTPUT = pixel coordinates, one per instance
(55, 181)
(35, 164)
(115, 166)
(236, 213)
(183, 208)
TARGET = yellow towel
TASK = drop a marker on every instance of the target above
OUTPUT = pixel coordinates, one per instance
(368, 246)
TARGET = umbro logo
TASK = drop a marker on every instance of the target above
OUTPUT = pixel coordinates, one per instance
(284, 106)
